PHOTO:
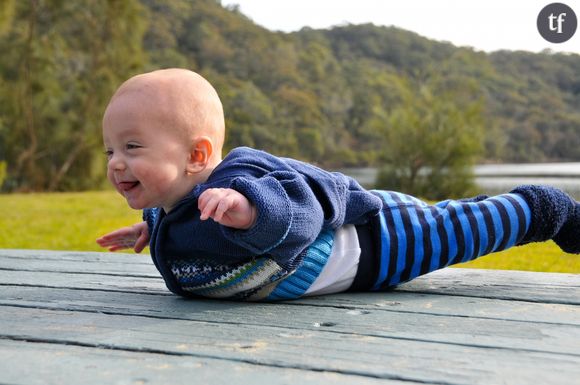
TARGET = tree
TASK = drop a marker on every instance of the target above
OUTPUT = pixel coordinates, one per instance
(338, 97)
(431, 142)
(63, 61)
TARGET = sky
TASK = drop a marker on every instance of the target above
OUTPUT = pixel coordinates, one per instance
(488, 25)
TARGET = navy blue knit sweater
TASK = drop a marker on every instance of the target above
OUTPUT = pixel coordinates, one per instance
(295, 201)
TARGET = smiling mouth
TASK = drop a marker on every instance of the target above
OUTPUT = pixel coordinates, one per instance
(127, 186)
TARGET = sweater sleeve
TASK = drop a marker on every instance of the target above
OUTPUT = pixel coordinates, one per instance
(289, 216)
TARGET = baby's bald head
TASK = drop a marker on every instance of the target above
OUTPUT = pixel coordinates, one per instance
(176, 99)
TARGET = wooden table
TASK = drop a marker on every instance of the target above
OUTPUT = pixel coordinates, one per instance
(95, 318)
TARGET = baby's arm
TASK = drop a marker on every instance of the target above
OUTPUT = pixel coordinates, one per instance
(136, 237)
(227, 207)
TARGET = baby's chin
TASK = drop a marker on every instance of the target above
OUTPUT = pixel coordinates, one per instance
(133, 199)
(134, 203)
(135, 206)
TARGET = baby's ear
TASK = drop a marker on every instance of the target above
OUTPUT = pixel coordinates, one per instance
(200, 154)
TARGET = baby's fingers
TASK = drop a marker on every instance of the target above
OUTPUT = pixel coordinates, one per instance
(206, 196)
(141, 243)
(106, 241)
(121, 233)
(116, 242)
(208, 208)
(120, 246)
(225, 204)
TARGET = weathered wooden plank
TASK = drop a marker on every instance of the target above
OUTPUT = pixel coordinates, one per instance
(392, 300)
(399, 301)
(448, 304)
(512, 285)
(446, 328)
(522, 285)
(438, 329)
(44, 364)
(317, 349)
(86, 265)
(153, 285)
(76, 256)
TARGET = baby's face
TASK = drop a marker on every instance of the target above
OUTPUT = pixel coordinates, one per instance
(146, 161)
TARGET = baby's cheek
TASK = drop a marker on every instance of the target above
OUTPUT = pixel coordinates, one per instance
(111, 179)
(161, 178)
(159, 175)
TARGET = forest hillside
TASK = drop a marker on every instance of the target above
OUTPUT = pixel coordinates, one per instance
(347, 96)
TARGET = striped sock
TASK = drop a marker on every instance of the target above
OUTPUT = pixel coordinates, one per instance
(417, 238)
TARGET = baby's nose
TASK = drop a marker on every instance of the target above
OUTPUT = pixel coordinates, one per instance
(116, 163)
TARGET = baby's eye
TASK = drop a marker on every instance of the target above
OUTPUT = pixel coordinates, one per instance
(132, 146)
(108, 153)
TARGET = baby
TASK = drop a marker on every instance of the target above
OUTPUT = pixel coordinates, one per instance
(253, 226)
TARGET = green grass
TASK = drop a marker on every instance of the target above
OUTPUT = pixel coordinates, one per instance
(63, 221)
(544, 256)
(72, 221)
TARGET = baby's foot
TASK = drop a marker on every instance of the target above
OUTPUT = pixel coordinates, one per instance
(568, 238)
(555, 215)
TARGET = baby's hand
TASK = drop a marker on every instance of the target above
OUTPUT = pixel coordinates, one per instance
(136, 237)
(227, 207)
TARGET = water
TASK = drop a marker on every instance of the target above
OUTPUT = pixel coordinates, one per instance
(499, 178)
(529, 169)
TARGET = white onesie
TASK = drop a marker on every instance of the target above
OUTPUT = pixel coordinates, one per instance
(341, 267)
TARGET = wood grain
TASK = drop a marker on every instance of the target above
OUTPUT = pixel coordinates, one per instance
(67, 317)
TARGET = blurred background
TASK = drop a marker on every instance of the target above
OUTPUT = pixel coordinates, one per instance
(405, 102)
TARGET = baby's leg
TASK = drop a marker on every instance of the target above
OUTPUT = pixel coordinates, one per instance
(417, 238)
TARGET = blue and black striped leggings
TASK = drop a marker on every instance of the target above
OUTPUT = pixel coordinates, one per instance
(417, 238)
